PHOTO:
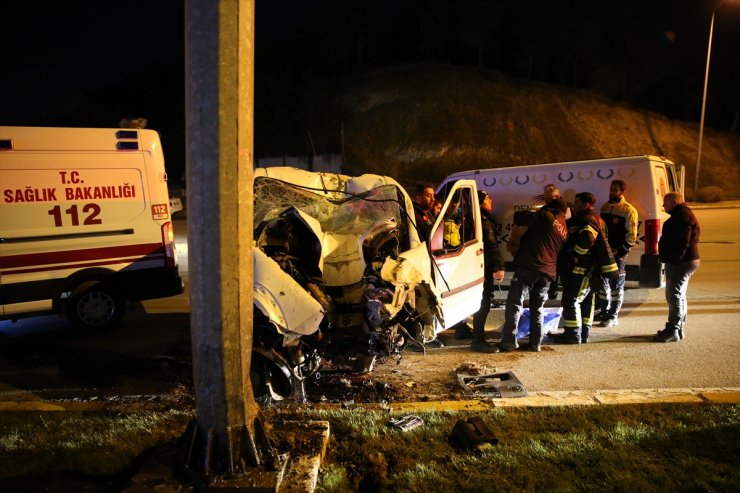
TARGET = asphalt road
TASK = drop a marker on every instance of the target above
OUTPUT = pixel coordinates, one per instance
(620, 357)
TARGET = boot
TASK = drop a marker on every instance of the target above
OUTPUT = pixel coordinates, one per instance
(567, 337)
(672, 335)
(479, 344)
(585, 331)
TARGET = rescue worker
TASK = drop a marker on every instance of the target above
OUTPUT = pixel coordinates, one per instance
(679, 251)
(493, 270)
(423, 202)
(536, 267)
(585, 257)
(621, 225)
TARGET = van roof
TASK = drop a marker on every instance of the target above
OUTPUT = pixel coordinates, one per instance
(615, 160)
(76, 139)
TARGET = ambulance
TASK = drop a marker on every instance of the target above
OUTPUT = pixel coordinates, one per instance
(648, 179)
(85, 224)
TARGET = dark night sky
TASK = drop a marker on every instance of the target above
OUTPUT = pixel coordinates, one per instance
(90, 63)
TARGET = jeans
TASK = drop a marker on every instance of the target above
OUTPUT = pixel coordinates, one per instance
(526, 282)
(676, 283)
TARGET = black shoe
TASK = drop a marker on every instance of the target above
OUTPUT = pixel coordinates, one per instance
(609, 321)
(530, 347)
(483, 347)
(507, 346)
(462, 331)
(435, 344)
(667, 336)
(565, 338)
(417, 348)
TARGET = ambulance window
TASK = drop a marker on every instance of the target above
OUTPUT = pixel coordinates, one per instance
(673, 186)
(663, 183)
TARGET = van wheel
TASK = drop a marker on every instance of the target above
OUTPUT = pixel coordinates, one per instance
(269, 383)
(98, 307)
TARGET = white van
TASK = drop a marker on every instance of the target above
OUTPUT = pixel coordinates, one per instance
(648, 179)
(85, 224)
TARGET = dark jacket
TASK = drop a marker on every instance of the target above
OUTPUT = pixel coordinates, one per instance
(678, 241)
(587, 247)
(424, 222)
(542, 241)
(493, 260)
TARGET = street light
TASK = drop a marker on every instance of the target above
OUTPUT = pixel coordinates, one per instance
(704, 100)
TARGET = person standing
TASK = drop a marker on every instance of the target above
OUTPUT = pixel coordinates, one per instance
(536, 267)
(678, 250)
(423, 203)
(550, 193)
(586, 257)
(493, 270)
(621, 224)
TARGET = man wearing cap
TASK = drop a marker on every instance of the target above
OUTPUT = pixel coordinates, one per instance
(536, 267)
(493, 270)
(586, 256)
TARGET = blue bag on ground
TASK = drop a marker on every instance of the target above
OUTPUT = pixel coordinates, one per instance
(551, 319)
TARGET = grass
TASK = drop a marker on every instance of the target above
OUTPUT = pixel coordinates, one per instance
(79, 451)
(642, 448)
(645, 448)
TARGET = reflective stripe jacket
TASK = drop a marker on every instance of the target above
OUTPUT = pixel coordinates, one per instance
(621, 225)
(589, 245)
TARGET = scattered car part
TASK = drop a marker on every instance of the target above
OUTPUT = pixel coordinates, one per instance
(498, 385)
(406, 423)
(473, 433)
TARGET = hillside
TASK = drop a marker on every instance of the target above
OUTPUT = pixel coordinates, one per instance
(424, 122)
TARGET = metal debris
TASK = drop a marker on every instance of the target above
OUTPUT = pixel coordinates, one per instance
(498, 385)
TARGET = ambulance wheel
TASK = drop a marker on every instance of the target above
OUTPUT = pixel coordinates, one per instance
(96, 307)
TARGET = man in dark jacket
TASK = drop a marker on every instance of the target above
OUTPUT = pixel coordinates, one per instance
(679, 251)
(587, 256)
(423, 209)
(536, 267)
(493, 270)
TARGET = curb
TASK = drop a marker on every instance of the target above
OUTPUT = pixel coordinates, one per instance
(721, 395)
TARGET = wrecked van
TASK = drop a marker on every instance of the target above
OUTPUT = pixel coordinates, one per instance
(340, 273)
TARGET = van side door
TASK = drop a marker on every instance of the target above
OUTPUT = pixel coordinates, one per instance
(456, 246)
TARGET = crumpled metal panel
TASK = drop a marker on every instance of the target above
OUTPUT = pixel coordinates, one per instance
(498, 385)
(290, 307)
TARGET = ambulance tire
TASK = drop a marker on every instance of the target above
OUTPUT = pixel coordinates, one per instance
(96, 306)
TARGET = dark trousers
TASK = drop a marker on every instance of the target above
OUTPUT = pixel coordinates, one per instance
(526, 282)
(578, 302)
(480, 317)
(611, 292)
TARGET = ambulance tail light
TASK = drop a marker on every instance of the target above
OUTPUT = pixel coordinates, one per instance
(168, 240)
(652, 230)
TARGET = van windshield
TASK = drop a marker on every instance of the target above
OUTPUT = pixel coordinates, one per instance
(351, 214)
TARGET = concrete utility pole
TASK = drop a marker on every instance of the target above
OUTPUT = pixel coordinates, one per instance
(219, 130)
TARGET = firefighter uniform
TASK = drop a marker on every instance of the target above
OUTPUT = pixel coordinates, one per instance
(588, 259)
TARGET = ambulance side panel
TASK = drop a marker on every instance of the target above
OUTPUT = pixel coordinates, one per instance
(648, 179)
(79, 206)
